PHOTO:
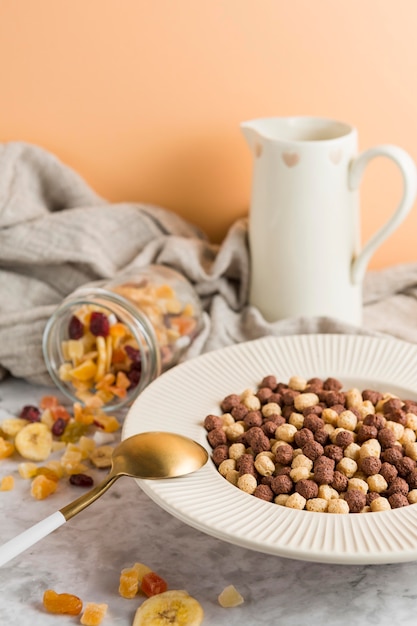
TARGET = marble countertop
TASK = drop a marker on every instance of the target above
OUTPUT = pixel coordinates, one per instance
(86, 555)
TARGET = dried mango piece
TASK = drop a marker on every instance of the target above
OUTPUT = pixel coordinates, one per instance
(62, 603)
(86, 371)
(7, 483)
(93, 614)
(42, 487)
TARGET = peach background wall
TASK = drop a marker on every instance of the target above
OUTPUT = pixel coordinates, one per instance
(144, 98)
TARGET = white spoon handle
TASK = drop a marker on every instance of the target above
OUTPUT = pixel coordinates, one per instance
(30, 536)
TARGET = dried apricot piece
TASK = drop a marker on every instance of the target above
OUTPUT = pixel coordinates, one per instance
(7, 483)
(6, 448)
(63, 603)
(128, 582)
(93, 614)
(42, 487)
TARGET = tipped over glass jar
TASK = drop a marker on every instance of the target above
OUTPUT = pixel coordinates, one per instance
(107, 341)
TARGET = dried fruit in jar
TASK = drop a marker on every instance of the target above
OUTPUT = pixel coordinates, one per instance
(62, 603)
(171, 607)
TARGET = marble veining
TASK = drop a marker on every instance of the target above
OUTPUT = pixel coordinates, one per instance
(85, 557)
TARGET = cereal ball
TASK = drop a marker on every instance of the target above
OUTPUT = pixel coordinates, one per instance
(216, 437)
(297, 383)
(323, 475)
(302, 437)
(307, 488)
(284, 454)
(358, 484)
(327, 492)
(371, 447)
(377, 483)
(338, 506)
(312, 450)
(366, 432)
(246, 465)
(411, 421)
(371, 496)
(253, 418)
(372, 396)
(212, 421)
(353, 398)
(226, 466)
(297, 420)
(257, 440)
(281, 499)
(247, 483)
(367, 408)
(264, 465)
(286, 432)
(392, 404)
(317, 505)
(300, 460)
(229, 402)
(409, 436)
(332, 384)
(374, 419)
(412, 496)
(335, 398)
(352, 451)
(347, 420)
(263, 492)
(347, 466)
(232, 477)
(305, 400)
(272, 408)
(314, 383)
(324, 461)
(269, 427)
(334, 452)
(412, 479)
(356, 500)
(380, 504)
(405, 466)
(397, 429)
(282, 471)
(329, 416)
(398, 485)
(269, 381)
(399, 417)
(235, 431)
(239, 411)
(370, 465)
(388, 471)
(221, 453)
(317, 409)
(281, 484)
(299, 473)
(288, 396)
(397, 500)
(296, 501)
(236, 450)
(386, 438)
(264, 394)
(392, 455)
(313, 422)
(321, 436)
(343, 438)
(227, 420)
(339, 482)
(251, 402)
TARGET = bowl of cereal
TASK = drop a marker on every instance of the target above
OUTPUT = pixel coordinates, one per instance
(312, 441)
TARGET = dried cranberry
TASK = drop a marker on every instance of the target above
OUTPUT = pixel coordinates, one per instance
(99, 324)
(133, 354)
(30, 413)
(58, 426)
(134, 374)
(75, 328)
(81, 480)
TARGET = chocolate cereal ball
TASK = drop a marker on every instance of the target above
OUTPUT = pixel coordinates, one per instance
(312, 450)
(344, 438)
(302, 436)
(307, 488)
(340, 481)
(370, 465)
(386, 438)
(388, 471)
(281, 484)
(398, 485)
(397, 500)
(264, 492)
(356, 500)
(284, 454)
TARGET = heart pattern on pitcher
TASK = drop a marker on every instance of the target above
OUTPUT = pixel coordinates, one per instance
(290, 158)
(335, 156)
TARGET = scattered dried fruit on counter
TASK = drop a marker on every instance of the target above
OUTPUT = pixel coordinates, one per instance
(7, 483)
(93, 614)
(230, 597)
(152, 584)
(34, 441)
(62, 603)
(170, 607)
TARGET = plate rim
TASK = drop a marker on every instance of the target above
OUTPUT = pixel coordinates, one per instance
(154, 489)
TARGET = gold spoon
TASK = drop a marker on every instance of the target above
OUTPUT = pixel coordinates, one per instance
(151, 455)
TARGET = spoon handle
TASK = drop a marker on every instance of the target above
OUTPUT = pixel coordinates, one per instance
(28, 537)
(38, 531)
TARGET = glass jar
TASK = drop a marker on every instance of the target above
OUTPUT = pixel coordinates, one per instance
(107, 341)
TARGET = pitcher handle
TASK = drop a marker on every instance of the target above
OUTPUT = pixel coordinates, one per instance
(409, 174)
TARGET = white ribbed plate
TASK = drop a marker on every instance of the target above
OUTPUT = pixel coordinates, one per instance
(179, 400)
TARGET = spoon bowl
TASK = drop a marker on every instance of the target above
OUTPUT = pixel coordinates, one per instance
(150, 455)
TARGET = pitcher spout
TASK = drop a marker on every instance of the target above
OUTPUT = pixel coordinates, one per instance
(251, 134)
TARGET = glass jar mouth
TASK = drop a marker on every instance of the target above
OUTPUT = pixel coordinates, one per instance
(118, 308)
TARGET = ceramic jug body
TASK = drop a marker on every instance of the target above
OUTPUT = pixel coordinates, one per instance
(304, 221)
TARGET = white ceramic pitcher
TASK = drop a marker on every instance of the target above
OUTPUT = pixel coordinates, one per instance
(304, 223)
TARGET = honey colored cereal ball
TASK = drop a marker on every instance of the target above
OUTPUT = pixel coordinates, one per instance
(338, 506)
(380, 504)
(296, 501)
(317, 505)
(247, 483)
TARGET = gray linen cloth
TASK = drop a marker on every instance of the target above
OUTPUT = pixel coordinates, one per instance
(57, 234)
